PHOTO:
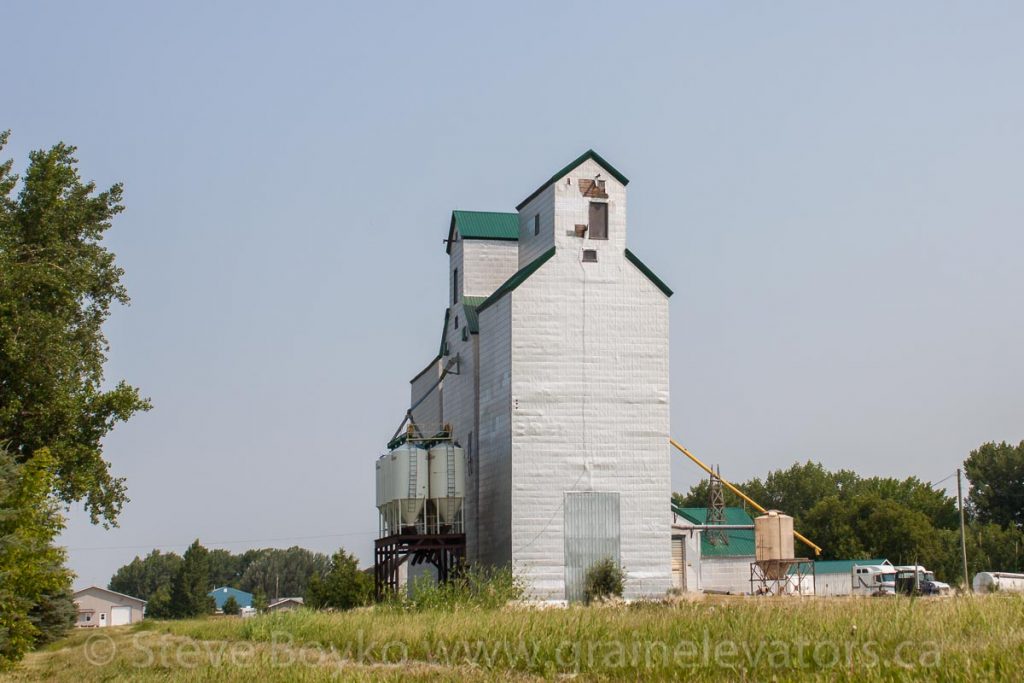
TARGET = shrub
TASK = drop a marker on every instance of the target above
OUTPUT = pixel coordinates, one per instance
(604, 579)
(473, 588)
(231, 606)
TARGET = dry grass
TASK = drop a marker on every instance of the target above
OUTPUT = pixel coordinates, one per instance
(964, 639)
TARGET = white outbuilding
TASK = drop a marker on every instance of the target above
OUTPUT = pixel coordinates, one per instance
(100, 607)
(553, 369)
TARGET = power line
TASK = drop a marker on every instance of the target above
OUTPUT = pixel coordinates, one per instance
(946, 478)
(161, 546)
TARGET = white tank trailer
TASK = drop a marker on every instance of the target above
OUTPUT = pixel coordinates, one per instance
(410, 476)
(991, 582)
(773, 543)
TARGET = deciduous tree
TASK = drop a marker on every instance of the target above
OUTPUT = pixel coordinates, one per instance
(33, 580)
(996, 475)
(57, 284)
(343, 587)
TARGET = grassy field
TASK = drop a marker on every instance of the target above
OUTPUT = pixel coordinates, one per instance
(956, 639)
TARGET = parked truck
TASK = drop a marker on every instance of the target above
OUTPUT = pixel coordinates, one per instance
(916, 580)
(873, 579)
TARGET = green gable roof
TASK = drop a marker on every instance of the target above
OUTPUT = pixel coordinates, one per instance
(741, 543)
(517, 279)
(631, 257)
(483, 225)
(589, 154)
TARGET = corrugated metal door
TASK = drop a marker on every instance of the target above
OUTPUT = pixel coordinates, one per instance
(591, 534)
(679, 562)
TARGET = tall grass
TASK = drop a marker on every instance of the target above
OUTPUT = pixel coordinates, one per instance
(966, 639)
(474, 588)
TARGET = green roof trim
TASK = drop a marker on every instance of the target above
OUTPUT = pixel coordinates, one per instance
(470, 305)
(483, 225)
(632, 258)
(589, 154)
(519, 278)
(741, 542)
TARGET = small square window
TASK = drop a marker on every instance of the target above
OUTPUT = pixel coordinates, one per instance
(590, 255)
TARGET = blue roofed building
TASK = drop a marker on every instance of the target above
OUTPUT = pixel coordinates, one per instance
(220, 596)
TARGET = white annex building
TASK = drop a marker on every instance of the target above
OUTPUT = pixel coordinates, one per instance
(554, 365)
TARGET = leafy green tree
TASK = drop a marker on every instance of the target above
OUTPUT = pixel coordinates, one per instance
(225, 568)
(343, 587)
(189, 591)
(283, 573)
(231, 606)
(143, 577)
(996, 476)
(57, 283)
(32, 574)
(259, 600)
(802, 486)
(159, 604)
(832, 524)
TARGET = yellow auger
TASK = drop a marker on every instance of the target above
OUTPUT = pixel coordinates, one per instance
(691, 456)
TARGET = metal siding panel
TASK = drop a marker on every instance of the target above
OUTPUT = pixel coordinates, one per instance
(592, 533)
(495, 441)
(486, 265)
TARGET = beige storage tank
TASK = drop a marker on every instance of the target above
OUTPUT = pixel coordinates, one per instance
(447, 464)
(773, 536)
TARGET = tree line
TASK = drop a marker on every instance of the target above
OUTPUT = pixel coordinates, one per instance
(177, 586)
(908, 521)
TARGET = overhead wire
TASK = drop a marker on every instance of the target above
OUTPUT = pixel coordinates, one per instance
(216, 543)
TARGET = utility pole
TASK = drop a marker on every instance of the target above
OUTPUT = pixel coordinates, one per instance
(963, 533)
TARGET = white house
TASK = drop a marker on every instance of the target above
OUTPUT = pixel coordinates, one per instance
(554, 357)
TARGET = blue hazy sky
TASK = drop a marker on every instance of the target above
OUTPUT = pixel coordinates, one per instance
(833, 191)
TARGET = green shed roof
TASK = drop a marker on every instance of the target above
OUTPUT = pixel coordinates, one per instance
(741, 543)
(483, 225)
(519, 278)
(843, 566)
(589, 154)
(470, 305)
